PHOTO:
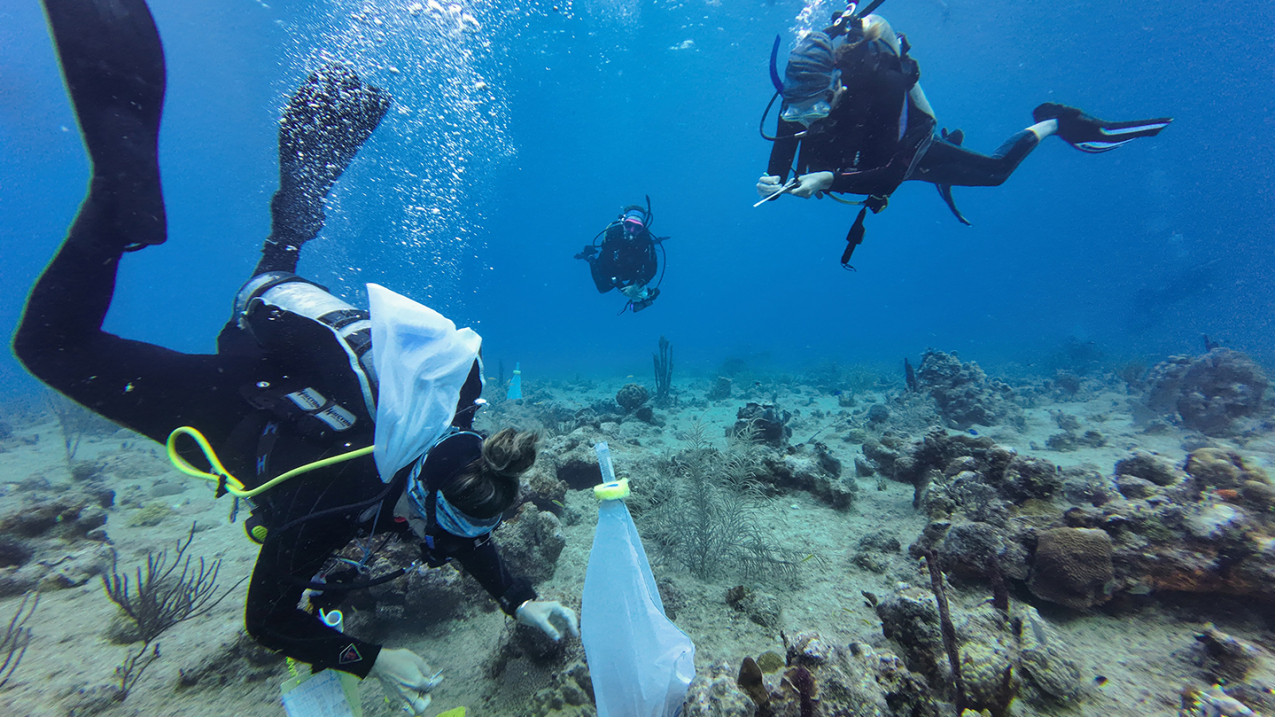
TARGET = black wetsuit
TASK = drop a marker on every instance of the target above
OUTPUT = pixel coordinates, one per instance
(153, 390)
(622, 261)
(113, 64)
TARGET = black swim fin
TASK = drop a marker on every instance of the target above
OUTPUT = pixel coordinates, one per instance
(955, 137)
(323, 127)
(1090, 134)
(113, 64)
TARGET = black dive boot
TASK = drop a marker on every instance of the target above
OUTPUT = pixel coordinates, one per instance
(1090, 134)
(113, 65)
(325, 123)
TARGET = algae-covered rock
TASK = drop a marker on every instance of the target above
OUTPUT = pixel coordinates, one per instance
(1220, 468)
(1047, 665)
(151, 515)
(532, 540)
(716, 693)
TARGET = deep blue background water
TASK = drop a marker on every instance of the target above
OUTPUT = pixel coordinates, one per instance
(510, 146)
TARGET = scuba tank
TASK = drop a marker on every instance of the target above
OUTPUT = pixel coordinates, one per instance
(308, 331)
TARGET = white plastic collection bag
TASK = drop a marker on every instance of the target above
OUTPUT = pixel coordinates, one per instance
(641, 664)
(421, 360)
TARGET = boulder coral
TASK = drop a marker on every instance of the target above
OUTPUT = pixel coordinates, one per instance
(632, 396)
(1212, 393)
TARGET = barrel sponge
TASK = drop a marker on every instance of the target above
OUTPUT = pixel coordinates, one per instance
(1072, 567)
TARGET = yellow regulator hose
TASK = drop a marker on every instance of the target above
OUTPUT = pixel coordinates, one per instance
(231, 484)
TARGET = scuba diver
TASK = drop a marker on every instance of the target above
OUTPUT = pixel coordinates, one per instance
(853, 107)
(626, 258)
(377, 421)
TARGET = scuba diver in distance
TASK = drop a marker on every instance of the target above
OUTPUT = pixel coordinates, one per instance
(856, 120)
(626, 258)
(294, 385)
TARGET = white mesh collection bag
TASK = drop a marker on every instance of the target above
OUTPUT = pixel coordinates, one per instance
(421, 360)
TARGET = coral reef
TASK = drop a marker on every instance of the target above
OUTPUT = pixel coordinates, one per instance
(1023, 648)
(702, 510)
(720, 390)
(1203, 528)
(964, 394)
(238, 661)
(542, 676)
(762, 423)
(819, 678)
(1223, 658)
(1219, 388)
(875, 551)
(631, 396)
(1212, 393)
(1149, 467)
(532, 540)
(809, 467)
(757, 605)
(717, 693)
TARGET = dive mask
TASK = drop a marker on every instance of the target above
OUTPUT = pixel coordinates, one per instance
(807, 112)
(809, 79)
(458, 523)
(440, 465)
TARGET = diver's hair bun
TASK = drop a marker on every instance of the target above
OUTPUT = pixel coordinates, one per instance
(489, 485)
(510, 452)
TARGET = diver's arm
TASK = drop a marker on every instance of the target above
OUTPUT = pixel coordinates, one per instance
(271, 614)
(880, 181)
(649, 264)
(484, 563)
(784, 150)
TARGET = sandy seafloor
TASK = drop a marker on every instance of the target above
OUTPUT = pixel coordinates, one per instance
(1142, 652)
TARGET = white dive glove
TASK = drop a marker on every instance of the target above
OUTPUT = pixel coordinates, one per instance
(635, 292)
(768, 185)
(405, 674)
(541, 614)
(813, 184)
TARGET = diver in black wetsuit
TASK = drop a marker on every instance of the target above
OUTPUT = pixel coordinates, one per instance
(273, 405)
(853, 107)
(626, 258)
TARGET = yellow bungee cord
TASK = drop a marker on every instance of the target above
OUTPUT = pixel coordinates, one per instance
(232, 485)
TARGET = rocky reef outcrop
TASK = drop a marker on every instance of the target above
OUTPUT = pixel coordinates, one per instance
(964, 394)
(55, 538)
(817, 676)
(1218, 393)
(1079, 537)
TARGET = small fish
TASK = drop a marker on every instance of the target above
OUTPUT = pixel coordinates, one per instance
(807, 558)
(837, 392)
(1100, 680)
(973, 432)
(558, 503)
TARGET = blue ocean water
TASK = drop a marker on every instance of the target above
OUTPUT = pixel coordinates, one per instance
(520, 129)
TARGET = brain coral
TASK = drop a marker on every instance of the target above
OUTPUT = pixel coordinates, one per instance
(1072, 567)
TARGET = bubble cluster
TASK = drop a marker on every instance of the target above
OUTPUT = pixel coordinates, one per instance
(432, 158)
